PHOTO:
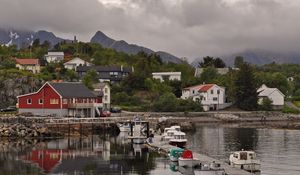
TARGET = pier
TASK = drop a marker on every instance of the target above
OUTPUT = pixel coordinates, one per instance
(164, 148)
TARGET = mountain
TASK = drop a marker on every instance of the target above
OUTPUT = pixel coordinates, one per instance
(123, 46)
(258, 57)
(25, 38)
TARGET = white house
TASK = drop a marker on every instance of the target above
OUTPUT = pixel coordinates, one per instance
(167, 76)
(54, 57)
(30, 64)
(274, 94)
(211, 96)
(75, 62)
(104, 88)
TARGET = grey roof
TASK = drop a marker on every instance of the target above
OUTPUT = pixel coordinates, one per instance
(103, 68)
(73, 90)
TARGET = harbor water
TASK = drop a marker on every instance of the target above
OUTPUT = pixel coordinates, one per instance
(278, 150)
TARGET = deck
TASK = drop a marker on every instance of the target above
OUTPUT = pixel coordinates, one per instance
(164, 148)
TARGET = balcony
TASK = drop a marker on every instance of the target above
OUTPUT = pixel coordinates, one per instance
(84, 105)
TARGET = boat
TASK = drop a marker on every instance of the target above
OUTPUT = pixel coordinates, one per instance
(175, 153)
(246, 160)
(167, 134)
(178, 139)
(137, 135)
(187, 159)
(211, 169)
(124, 127)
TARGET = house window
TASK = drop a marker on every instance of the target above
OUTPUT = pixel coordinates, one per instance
(212, 91)
(65, 101)
(41, 101)
(29, 101)
(218, 92)
(105, 90)
(105, 97)
(193, 91)
(53, 101)
(215, 99)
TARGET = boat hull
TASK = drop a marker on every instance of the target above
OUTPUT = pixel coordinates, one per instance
(209, 172)
(188, 162)
(178, 144)
(248, 167)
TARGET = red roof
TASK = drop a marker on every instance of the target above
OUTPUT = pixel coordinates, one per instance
(202, 87)
(27, 61)
(206, 87)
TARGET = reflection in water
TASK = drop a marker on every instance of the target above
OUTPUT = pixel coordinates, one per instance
(279, 151)
(91, 155)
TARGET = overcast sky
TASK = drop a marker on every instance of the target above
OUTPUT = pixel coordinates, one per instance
(185, 28)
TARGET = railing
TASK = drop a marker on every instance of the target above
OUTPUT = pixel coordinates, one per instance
(83, 105)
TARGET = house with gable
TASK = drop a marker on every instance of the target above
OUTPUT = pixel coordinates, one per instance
(28, 64)
(54, 57)
(75, 62)
(104, 89)
(274, 94)
(210, 96)
(61, 99)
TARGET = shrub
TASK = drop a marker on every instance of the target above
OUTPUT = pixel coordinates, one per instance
(290, 110)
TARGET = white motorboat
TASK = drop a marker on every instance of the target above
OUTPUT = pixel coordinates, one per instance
(137, 136)
(246, 160)
(178, 139)
(187, 159)
(211, 169)
(124, 127)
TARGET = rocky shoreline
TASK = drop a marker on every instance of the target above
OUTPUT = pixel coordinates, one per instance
(24, 131)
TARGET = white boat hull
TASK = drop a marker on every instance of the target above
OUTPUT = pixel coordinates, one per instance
(173, 159)
(138, 140)
(188, 162)
(209, 172)
(247, 167)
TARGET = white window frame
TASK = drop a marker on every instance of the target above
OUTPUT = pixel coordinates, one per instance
(29, 99)
(41, 101)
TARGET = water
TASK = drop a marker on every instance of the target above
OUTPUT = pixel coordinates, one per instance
(279, 151)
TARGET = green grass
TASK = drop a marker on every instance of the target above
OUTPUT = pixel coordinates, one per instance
(297, 103)
(290, 110)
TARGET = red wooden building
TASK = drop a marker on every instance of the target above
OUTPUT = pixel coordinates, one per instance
(61, 99)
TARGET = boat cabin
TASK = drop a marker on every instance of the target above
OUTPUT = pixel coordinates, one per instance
(244, 155)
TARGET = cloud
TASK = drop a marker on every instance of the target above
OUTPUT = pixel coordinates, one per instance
(189, 28)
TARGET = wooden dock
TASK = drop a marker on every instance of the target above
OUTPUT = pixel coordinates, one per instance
(164, 147)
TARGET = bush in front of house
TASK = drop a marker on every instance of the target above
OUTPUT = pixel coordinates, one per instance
(169, 103)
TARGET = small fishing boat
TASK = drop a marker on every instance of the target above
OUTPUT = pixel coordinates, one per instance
(210, 169)
(246, 160)
(123, 127)
(178, 139)
(187, 159)
(175, 153)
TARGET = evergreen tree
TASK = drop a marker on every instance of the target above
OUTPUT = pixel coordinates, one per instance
(245, 88)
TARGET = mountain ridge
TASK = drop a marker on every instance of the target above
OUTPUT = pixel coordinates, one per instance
(258, 57)
(123, 46)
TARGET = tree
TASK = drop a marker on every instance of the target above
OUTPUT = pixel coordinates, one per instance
(207, 62)
(245, 88)
(166, 103)
(219, 63)
(71, 75)
(212, 62)
(208, 75)
(90, 78)
(238, 61)
(266, 104)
